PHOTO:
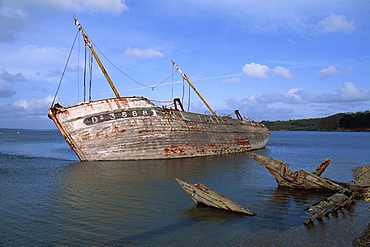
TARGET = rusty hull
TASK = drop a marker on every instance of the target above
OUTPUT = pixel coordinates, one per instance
(204, 195)
(300, 179)
(133, 128)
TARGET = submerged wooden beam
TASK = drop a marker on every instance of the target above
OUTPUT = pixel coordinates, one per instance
(331, 204)
(300, 179)
(204, 195)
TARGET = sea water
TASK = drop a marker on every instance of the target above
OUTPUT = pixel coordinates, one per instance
(49, 198)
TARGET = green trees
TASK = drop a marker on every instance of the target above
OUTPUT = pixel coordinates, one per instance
(359, 121)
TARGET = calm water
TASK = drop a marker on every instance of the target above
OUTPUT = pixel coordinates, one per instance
(49, 198)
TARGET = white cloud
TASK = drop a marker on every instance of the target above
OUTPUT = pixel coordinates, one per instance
(292, 96)
(328, 72)
(298, 103)
(335, 23)
(16, 15)
(256, 71)
(349, 92)
(26, 114)
(95, 6)
(146, 53)
(231, 81)
(34, 103)
(283, 72)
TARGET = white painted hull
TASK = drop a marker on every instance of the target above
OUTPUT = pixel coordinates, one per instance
(135, 129)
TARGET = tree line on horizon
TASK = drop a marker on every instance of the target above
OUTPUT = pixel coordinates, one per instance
(358, 121)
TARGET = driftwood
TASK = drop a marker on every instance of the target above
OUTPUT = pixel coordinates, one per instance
(204, 195)
(300, 179)
(345, 192)
(331, 204)
(362, 179)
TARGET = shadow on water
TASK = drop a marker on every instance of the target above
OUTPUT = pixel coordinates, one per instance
(201, 212)
(197, 214)
(285, 195)
(153, 233)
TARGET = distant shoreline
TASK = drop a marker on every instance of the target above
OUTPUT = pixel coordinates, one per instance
(341, 122)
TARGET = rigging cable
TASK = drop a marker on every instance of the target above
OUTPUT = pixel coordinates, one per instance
(78, 69)
(183, 89)
(172, 83)
(64, 70)
(85, 68)
(142, 84)
(91, 69)
(189, 98)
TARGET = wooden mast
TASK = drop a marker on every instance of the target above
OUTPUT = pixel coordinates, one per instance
(192, 86)
(88, 42)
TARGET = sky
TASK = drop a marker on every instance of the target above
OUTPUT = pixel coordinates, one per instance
(271, 60)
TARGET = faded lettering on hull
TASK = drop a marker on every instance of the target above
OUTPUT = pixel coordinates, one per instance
(98, 118)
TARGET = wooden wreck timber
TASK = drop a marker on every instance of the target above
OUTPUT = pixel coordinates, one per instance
(331, 204)
(204, 195)
(300, 179)
(133, 128)
(344, 195)
(362, 181)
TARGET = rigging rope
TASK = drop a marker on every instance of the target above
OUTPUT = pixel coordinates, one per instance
(142, 84)
(189, 98)
(90, 65)
(91, 69)
(64, 70)
(85, 68)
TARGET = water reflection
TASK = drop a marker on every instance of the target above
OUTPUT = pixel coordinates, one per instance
(125, 202)
(201, 212)
(285, 195)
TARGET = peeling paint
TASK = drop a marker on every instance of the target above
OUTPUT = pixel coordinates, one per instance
(134, 128)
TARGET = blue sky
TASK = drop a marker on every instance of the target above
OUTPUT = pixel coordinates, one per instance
(272, 60)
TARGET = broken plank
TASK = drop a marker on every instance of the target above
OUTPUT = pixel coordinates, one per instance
(331, 204)
(322, 167)
(300, 179)
(204, 195)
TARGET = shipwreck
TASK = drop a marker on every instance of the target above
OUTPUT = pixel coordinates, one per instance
(134, 128)
(344, 194)
(207, 196)
(300, 179)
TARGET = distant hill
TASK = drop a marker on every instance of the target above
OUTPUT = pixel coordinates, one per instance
(359, 121)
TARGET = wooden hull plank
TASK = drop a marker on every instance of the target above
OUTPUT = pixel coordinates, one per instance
(134, 128)
(204, 195)
(331, 204)
(300, 179)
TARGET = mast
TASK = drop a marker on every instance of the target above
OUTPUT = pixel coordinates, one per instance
(192, 86)
(88, 42)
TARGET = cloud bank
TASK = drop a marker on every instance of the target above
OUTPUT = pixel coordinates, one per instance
(6, 79)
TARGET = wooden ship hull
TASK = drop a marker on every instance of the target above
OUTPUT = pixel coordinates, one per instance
(204, 195)
(135, 129)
